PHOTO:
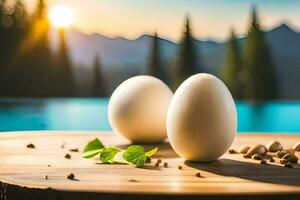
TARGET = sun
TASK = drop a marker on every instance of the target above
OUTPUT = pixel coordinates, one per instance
(61, 16)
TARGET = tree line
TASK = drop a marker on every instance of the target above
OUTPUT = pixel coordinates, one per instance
(247, 72)
(29, 67)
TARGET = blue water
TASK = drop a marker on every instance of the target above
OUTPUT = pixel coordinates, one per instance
(91, 114)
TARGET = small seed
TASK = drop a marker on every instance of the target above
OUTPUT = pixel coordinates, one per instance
(288, 165)
(297, 147)
(257, 149)
(232, 151)
(198, 174)
(49, 165)
(74, 150)
(31, 146)
(280, 154)
(257, 157)
(68, 156)
(46, 176)
(283, 161)
(272, 160)
(63, 145)
(263, 162)
(247, 156)
(157, 164)
(244, 149)
(71, 176)
(148, 159)
(274, 146)
(158, 160)
(133, 180)
(179, 167)
(291, 158)
(165, 164)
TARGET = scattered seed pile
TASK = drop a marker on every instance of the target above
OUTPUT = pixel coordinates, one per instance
(271, 153)
(267, 153)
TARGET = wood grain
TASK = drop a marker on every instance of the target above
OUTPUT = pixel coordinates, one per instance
(23, 170)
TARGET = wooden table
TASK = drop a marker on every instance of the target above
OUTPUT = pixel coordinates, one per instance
(23, 171)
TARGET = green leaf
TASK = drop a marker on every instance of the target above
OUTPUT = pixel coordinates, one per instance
(151, 152)
(91, 153)
(92, 148)
(108, 154)
(136, 155)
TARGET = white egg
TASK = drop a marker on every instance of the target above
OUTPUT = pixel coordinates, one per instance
(202, 119)
(138, 109)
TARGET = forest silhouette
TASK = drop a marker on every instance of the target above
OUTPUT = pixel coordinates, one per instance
(29, 68)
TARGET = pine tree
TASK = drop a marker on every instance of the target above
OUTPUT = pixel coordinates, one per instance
(155, 63)
(187, 62)
(13, 28)
(230, 71)
(5, 25)
(258, 73)
(20, 25)
(35, 58)
(98, 85)
(3, 66)
(63, 71)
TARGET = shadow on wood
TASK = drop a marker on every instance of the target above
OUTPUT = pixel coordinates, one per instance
(269, 173)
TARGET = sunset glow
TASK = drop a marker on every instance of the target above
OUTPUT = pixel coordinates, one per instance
(61, 16)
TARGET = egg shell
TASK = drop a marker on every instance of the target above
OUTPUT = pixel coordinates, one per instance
(202, 119)
(138, 109)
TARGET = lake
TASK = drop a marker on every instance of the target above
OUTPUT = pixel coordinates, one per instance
(91, 114)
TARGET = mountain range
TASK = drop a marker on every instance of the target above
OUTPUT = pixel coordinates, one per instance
(122, 57)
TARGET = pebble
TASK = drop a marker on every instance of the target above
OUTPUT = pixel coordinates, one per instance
(68, 156)
(297, 147)
(232, 151)
(272, 160)
(257, 157)
(263, 162)
(290, 158)
(247, 156)
(283, 161)
(244, 149)
(74, 150)
(31, 146)
(71, 176)
(288, 165)
(257, 149)
(274, 146)
(133, 180)
(280, 154)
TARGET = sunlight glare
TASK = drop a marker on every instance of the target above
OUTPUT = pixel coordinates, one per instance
(61, 16)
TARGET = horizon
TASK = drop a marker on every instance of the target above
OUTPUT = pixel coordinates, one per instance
(178, 40)
(98, 17)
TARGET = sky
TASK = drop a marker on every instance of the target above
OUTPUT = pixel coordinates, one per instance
(210, 19)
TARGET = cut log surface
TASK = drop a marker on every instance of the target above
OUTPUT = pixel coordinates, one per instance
(23, 171)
